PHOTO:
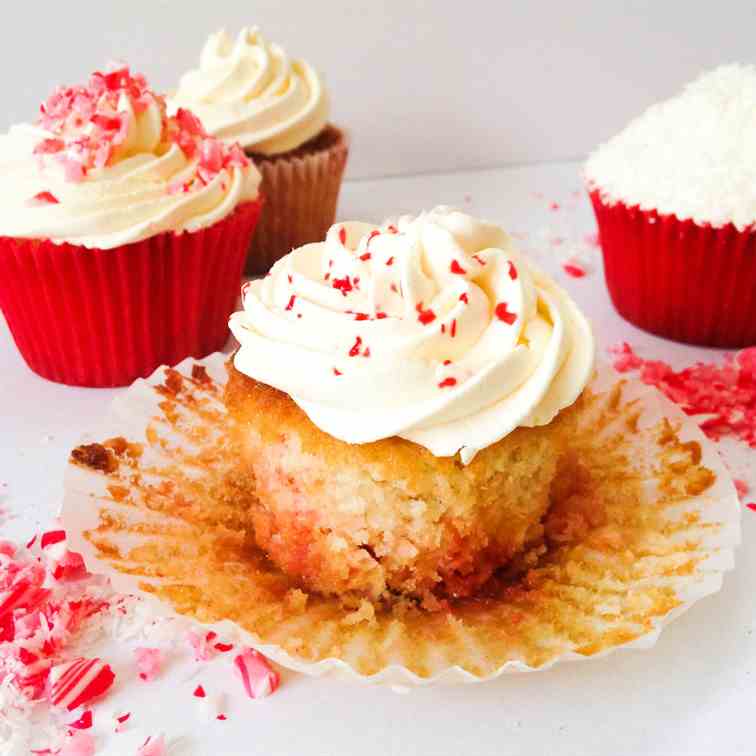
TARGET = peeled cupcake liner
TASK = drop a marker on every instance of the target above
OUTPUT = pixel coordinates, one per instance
(302, 193)
(158, 520)
(676, 278)
(105, 317)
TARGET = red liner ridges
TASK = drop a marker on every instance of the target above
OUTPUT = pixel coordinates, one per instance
(678, 279)
(94, 317)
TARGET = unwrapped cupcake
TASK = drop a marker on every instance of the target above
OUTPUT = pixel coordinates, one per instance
(401, 399)
(675, 199)
(122, 233)
(249, 91)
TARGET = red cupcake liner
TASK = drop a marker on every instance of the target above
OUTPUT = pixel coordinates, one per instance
(679, 279)
(105, 317)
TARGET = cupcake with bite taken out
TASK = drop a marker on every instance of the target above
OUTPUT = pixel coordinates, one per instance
(123, 233)
(401, 399)
(675, 199)
(249, 91)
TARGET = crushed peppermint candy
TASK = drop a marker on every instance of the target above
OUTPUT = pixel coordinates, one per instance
(89, 127)
(257, 675)
(741, 487)
(77, 743)
(724, 394)
(149, 661)
(574, 269)
(84, 722)
(79, 681)
(152, 747)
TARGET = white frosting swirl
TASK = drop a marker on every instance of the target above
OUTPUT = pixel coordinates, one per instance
(130, 199)
(249, 91)
(436, 330)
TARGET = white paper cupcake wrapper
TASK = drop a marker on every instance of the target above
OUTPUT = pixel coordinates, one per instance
(671, 522)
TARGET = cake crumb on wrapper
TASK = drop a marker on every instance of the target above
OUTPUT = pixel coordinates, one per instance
(692, 156)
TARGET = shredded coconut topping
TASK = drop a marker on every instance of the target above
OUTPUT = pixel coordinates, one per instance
(693, 156)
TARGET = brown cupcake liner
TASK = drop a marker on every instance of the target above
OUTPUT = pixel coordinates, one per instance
(650, 531)
(301, 195)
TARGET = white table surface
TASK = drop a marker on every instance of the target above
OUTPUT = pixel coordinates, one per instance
(693, 693)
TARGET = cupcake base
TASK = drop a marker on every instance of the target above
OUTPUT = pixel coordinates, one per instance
(677, 279)
(105, 317)
(648, 531)
(301, 191)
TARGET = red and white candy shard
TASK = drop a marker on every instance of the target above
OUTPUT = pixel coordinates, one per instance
(257, 675)
(148, 662)
(152, 747)
(77, 744)
(78, 682)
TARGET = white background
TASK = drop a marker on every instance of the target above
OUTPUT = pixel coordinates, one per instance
(424, 86)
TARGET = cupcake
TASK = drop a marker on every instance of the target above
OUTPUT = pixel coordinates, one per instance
(249, 91)
(396, 401)
(122, 233)
(675, 200)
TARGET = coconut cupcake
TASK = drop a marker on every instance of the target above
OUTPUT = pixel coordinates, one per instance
(395, 396)
(675, 199)
(122, 233)
(249, 91)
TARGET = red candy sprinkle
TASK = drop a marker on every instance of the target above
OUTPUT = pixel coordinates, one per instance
(625, 358)
(393, 229)
(365, 257)
(752, 506)
(199, 692)
(47, 197)
(344, 285)
(456, 268)
(336, 371)
(463, 298)
(79, 681)
(448, 383)
(425, 316)
(741, 487)
(52, 537)
(453, 329)
(512, 271)
(224, 647)
(725, 392)
(390, 261)
(342, 235)
(380, 315)
(361, 316)
(257, 675)
(574, 270)
(292, 299)
(355, 350)
(84, 722)
(222, 717)
(502, 313)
